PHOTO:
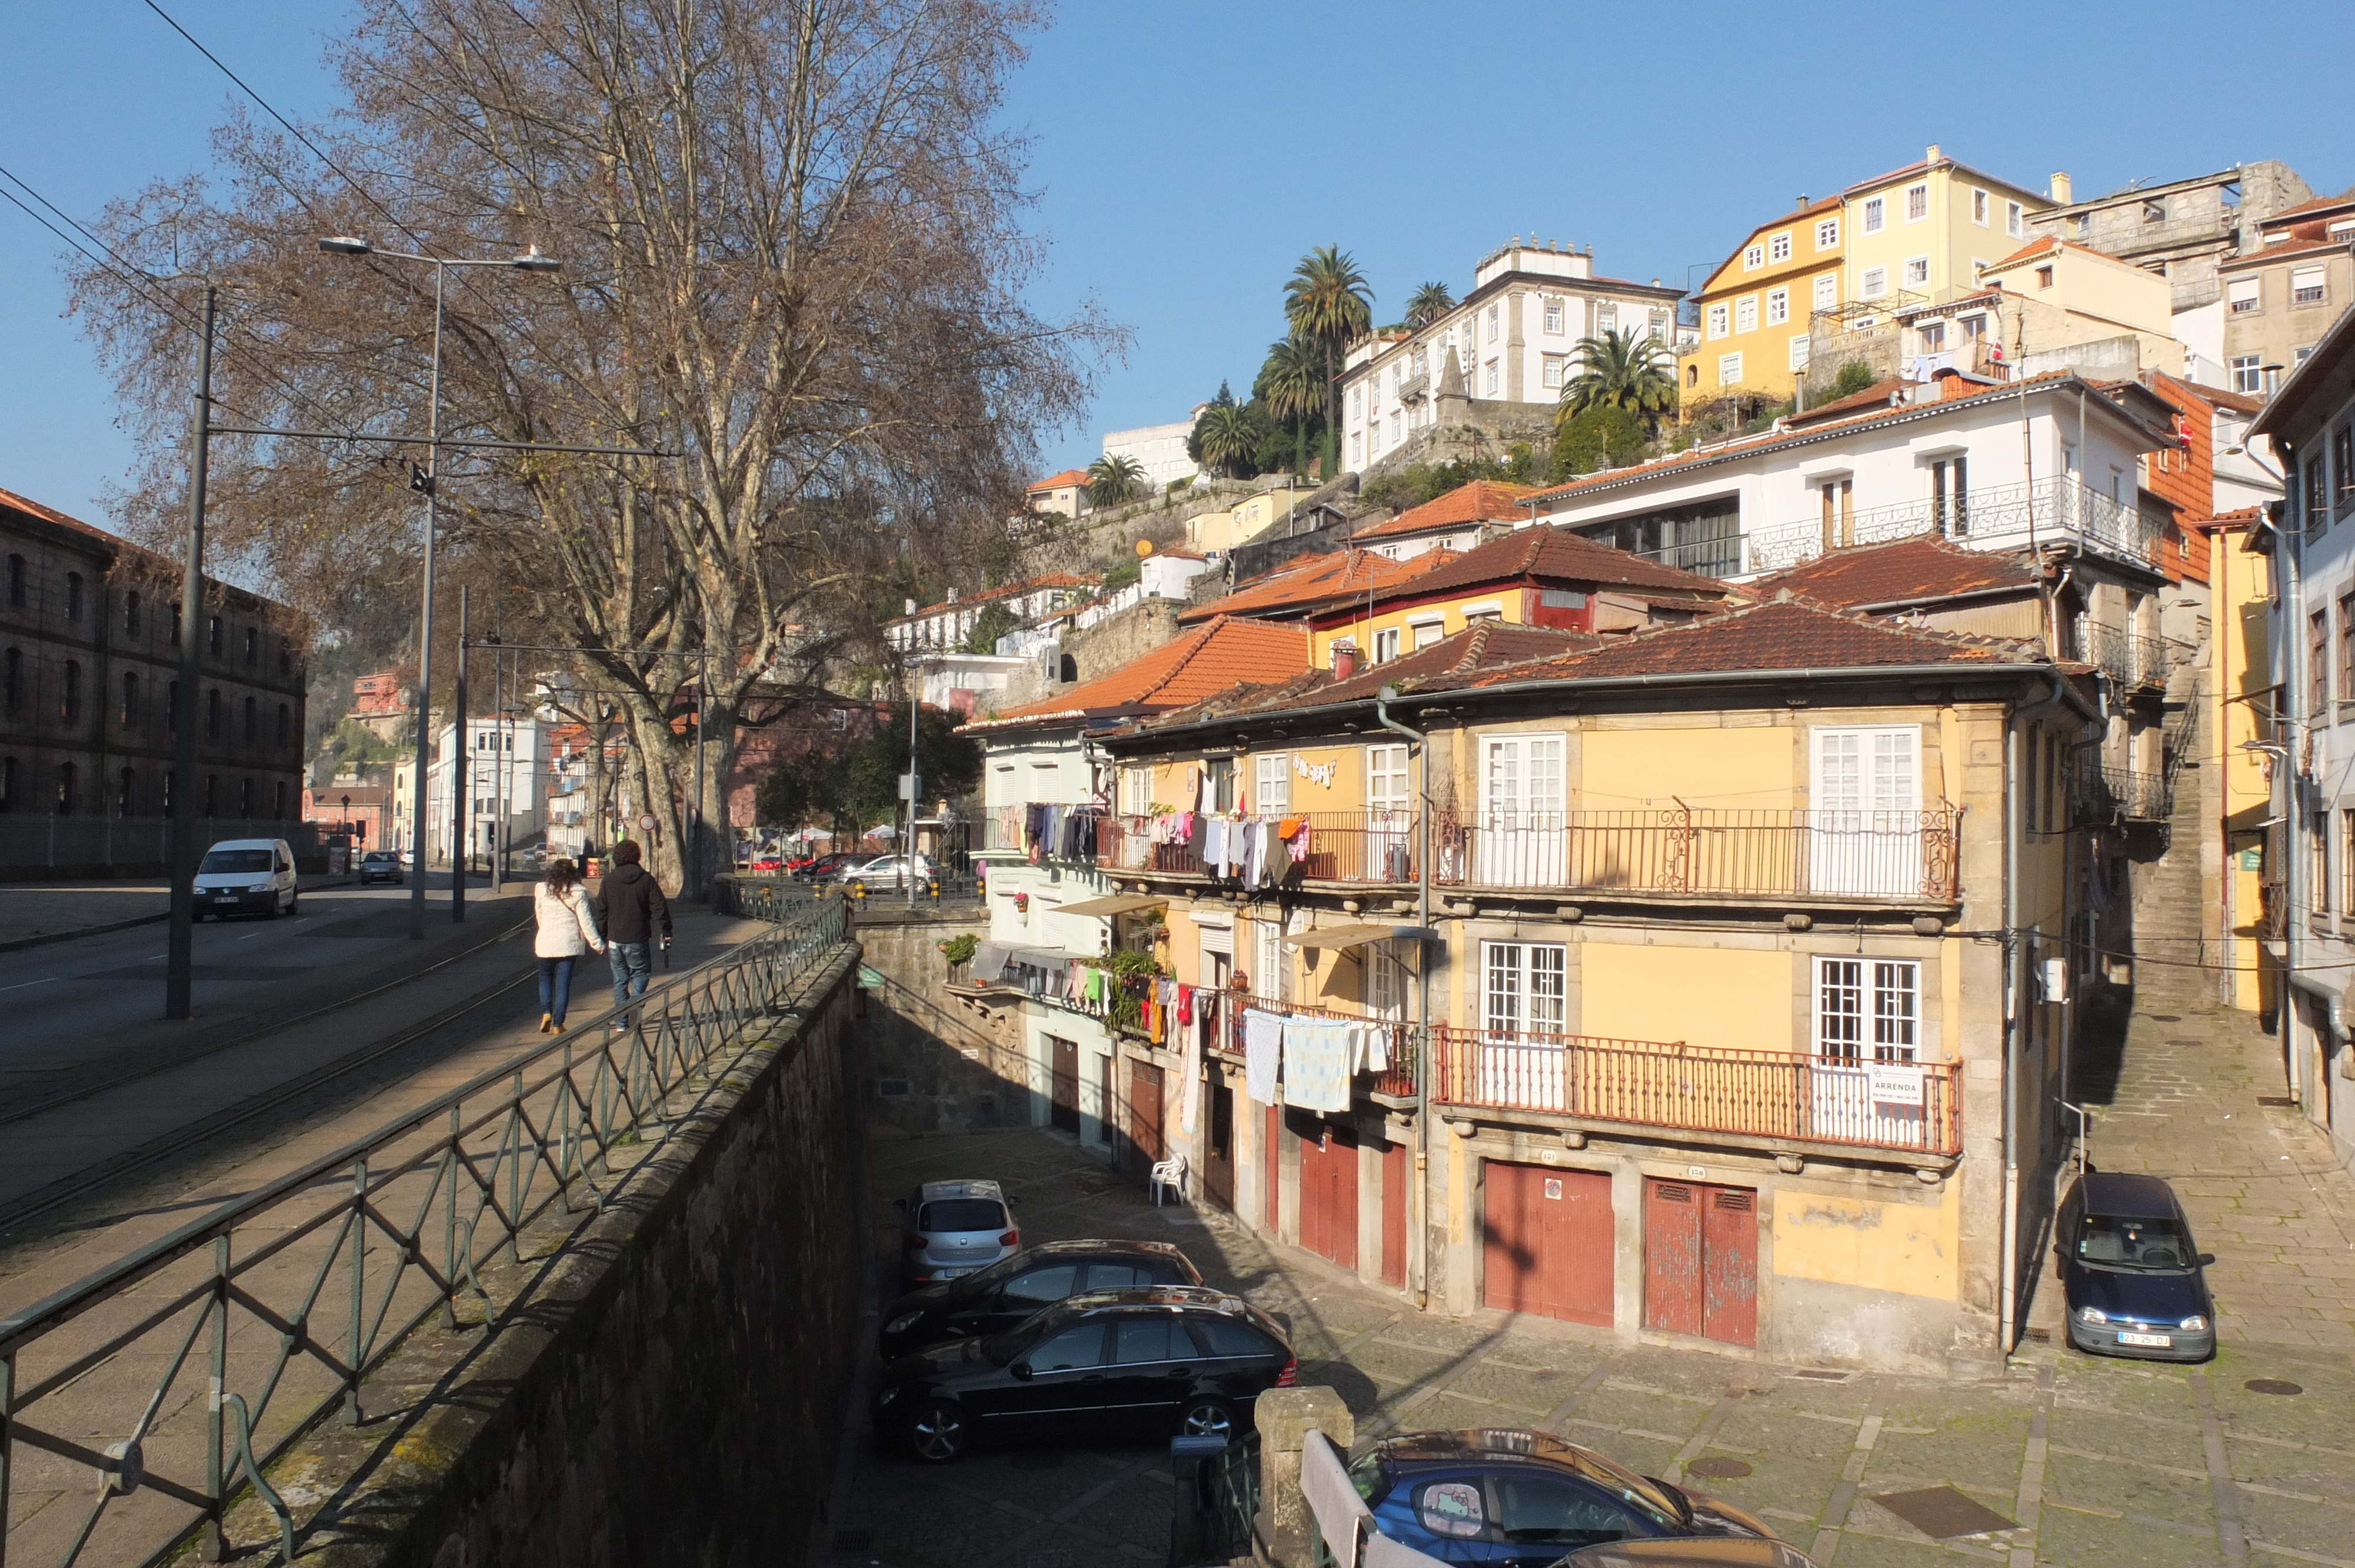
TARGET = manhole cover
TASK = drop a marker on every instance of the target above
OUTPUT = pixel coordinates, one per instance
(2186, 1040)
(2282, 1100)
(1035, 1461)
(1823, 1376)
(1717, 1469)
(2273, 1385)
(2041, 1336)
(2166, 1018)
(854, 1541)
(1941, 1512)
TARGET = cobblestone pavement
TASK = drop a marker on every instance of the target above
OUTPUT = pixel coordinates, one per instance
(2265, 1196)
(2096, 1462)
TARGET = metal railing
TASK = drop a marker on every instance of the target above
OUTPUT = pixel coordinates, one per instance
(1399, 1038)
(1813, 1100)
(2128, 657)
(1726, 853)
(1004, 831)
(2110, 794)
(117, 1393)
(2010, 515)
(49, 839)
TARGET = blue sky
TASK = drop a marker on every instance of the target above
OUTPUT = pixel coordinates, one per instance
(1186, 156)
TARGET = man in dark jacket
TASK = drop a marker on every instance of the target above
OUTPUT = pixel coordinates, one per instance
(630, 906)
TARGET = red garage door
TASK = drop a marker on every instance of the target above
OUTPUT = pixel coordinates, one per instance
(1145, 1115)
(1700, 1260)
(1548, 1241)
(1328, 1194)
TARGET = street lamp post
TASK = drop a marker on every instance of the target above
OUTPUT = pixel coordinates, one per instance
(422, 479)
(181, 939)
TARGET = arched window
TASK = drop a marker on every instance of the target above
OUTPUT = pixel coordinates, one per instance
(7, 783)
(168, 777)
(12, 679)
(131, 613)
(70, 699)
(286, 655)
(253, 728)
(16, 582)
(130, 702)
(212, 715)
(253, 645)
(66, 779)
(213, 636)
(123, 793)
(175, 626)
(245, 798)
(74, 596)
(172, 710)
(212, 794)
(277, 798)
(285, 723)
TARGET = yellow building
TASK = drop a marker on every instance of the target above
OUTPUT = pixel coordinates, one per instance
(1246, 521)
(1921, 233)
(2239, 695)
(1754, 307)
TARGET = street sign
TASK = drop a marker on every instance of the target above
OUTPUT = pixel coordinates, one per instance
(646, 823)
(911, 787)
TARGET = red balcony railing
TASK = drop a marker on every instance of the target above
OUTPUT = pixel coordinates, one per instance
(1649, 1084)
(1399, 1038)
(1868, 854)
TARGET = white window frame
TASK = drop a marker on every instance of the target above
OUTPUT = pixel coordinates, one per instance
(1495, 378)
(1800, 349)
(1778, 247)
(1752, 257)
(1554, 315)
(1826, 233)
(1357, 447)
(1917, 272)
(2321, 285)
(1745, 315)
(1917, 195)
(1270, 781)
(1386, 644)
(1982, 207)
(1551, 369)
(1492, 323)
(2244, 296)
(1524, 987)
(1826, 290)
(2014, 216)
(1729, 370)
(1427, 633)
(1136, 792)
(1862, 1003)
(1874, 282)
(1876, 214)
(1720, 320)
(1778, 306)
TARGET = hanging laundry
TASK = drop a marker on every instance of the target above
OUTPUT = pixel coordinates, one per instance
(1184, 1004)
(1263, 1054)
(1190, 1055)
(988, 963)
(1296, 842)
(1316, 1064)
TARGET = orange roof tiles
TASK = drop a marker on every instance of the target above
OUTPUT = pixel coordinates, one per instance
(2317, 205)
(1442, 664)
(1876, 395)
(1782, 634)
(2289, 248)
(1559, 556)
(1481, 501)
(1311, 582)
(1069, 476)
(1903, 571)
(1210, 659)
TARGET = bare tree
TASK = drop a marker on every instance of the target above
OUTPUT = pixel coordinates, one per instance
(793, 257)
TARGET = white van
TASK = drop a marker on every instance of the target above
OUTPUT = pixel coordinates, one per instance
(245, 876)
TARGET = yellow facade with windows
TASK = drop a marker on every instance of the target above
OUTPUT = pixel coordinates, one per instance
(1920, 234)
(1754, 307)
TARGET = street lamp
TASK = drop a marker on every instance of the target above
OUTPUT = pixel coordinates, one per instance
(422, 480)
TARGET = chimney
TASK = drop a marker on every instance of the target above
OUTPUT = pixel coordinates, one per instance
(1934, 153)
(2059, 189)
(1951, 385)
(1345, 660)
(1803, 201)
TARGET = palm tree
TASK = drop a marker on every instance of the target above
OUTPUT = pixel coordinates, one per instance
(1327, 301)
(1292, 384)
(1430, 302)
(1225, 437)
(1113, 479)
(1624, 370)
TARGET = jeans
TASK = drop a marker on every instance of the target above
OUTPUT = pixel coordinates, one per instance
(631, 965)
(554, 988)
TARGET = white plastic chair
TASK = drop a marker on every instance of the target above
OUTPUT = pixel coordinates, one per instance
(1169, 1174)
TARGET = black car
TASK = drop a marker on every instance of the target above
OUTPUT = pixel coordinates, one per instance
(2129, 1273)
(1504, 1498)
(1146, 1362)
(1690, 1552)
(1011, 1289)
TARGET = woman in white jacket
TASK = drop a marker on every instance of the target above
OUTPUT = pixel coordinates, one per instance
(567, 931)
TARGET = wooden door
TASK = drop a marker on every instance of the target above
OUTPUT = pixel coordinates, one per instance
(1729, 1266)
(1064, 1110)
(1700, 1260)
(1396, 1169)
(1144, 1114)
(1219, 1158)
(1548, 1240)
(1328, 1194)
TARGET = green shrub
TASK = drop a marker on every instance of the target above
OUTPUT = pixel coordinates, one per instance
(960, 950)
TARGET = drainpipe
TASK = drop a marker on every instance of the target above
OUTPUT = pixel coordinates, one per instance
(1419, 1246)
(2014, 984)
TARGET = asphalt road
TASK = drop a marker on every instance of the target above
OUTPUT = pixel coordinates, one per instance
(51, 995)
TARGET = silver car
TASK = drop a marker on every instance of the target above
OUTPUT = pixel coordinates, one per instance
(954, 1228)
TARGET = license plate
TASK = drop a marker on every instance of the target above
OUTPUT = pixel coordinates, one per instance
(2163, 1342)
(950, 1272)
(224, 900)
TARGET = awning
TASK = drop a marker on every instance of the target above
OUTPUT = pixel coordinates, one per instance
(1356, 935)
(1118, 904)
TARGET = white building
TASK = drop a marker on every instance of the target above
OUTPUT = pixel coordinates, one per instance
(1158, 450)
(1510, 341)
(949, 625)
(514, 795)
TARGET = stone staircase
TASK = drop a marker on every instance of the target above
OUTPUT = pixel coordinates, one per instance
(2170, 914)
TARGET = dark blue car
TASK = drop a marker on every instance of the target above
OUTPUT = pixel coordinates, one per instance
(2129, 1272)
(1523, 1499)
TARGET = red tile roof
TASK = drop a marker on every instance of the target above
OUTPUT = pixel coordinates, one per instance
(51, 514)
(2318, 204)
(1212, 658)
(2286, 247)
(1069, 476)
(1876, 395)
(2239, 402)
(1782, 634)
(1556, 555)
(1051, 580)
(2033, 247)
(1902, 571)
(1308, 583)
(1442, 664)
(1481, 501)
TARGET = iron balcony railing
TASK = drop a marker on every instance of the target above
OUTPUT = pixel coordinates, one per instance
(1907, 855)
(2047, 511)
(139, 1405)
(1816, 1099)
(2128, 657)
(2106, 794)
(1005, 831)
(1401, 1044)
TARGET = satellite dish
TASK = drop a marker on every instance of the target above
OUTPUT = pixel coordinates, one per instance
(1144, 548)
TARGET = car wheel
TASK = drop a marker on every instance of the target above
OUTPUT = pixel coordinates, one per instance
(1206, 1418)
(938, 1434)
(293, 903)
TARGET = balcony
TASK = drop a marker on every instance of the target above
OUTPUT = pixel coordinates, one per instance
(2129, 659)
(2106, 794)
(2049, 511)
(1003, 832)
(1396, 1081)
(1916, 1107)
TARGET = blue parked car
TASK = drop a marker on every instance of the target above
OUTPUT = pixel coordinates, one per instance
(2129, 1272)
(1524, 1500)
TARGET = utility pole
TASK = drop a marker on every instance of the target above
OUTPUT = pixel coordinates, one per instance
(424, 479)
(458, 846)
(179, 971)
(499, 708)
(915, 787)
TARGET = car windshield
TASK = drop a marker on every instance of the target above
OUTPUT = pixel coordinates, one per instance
(962, 1214)
(380, 857)
(1004, 1346)
(1654, 1499)
(221, 863)
(996, 1274)
(2115, 1240)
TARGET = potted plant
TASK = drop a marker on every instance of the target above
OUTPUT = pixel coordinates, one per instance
(959, 951)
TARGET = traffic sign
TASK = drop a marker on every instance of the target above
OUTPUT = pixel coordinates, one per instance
(646, 823)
